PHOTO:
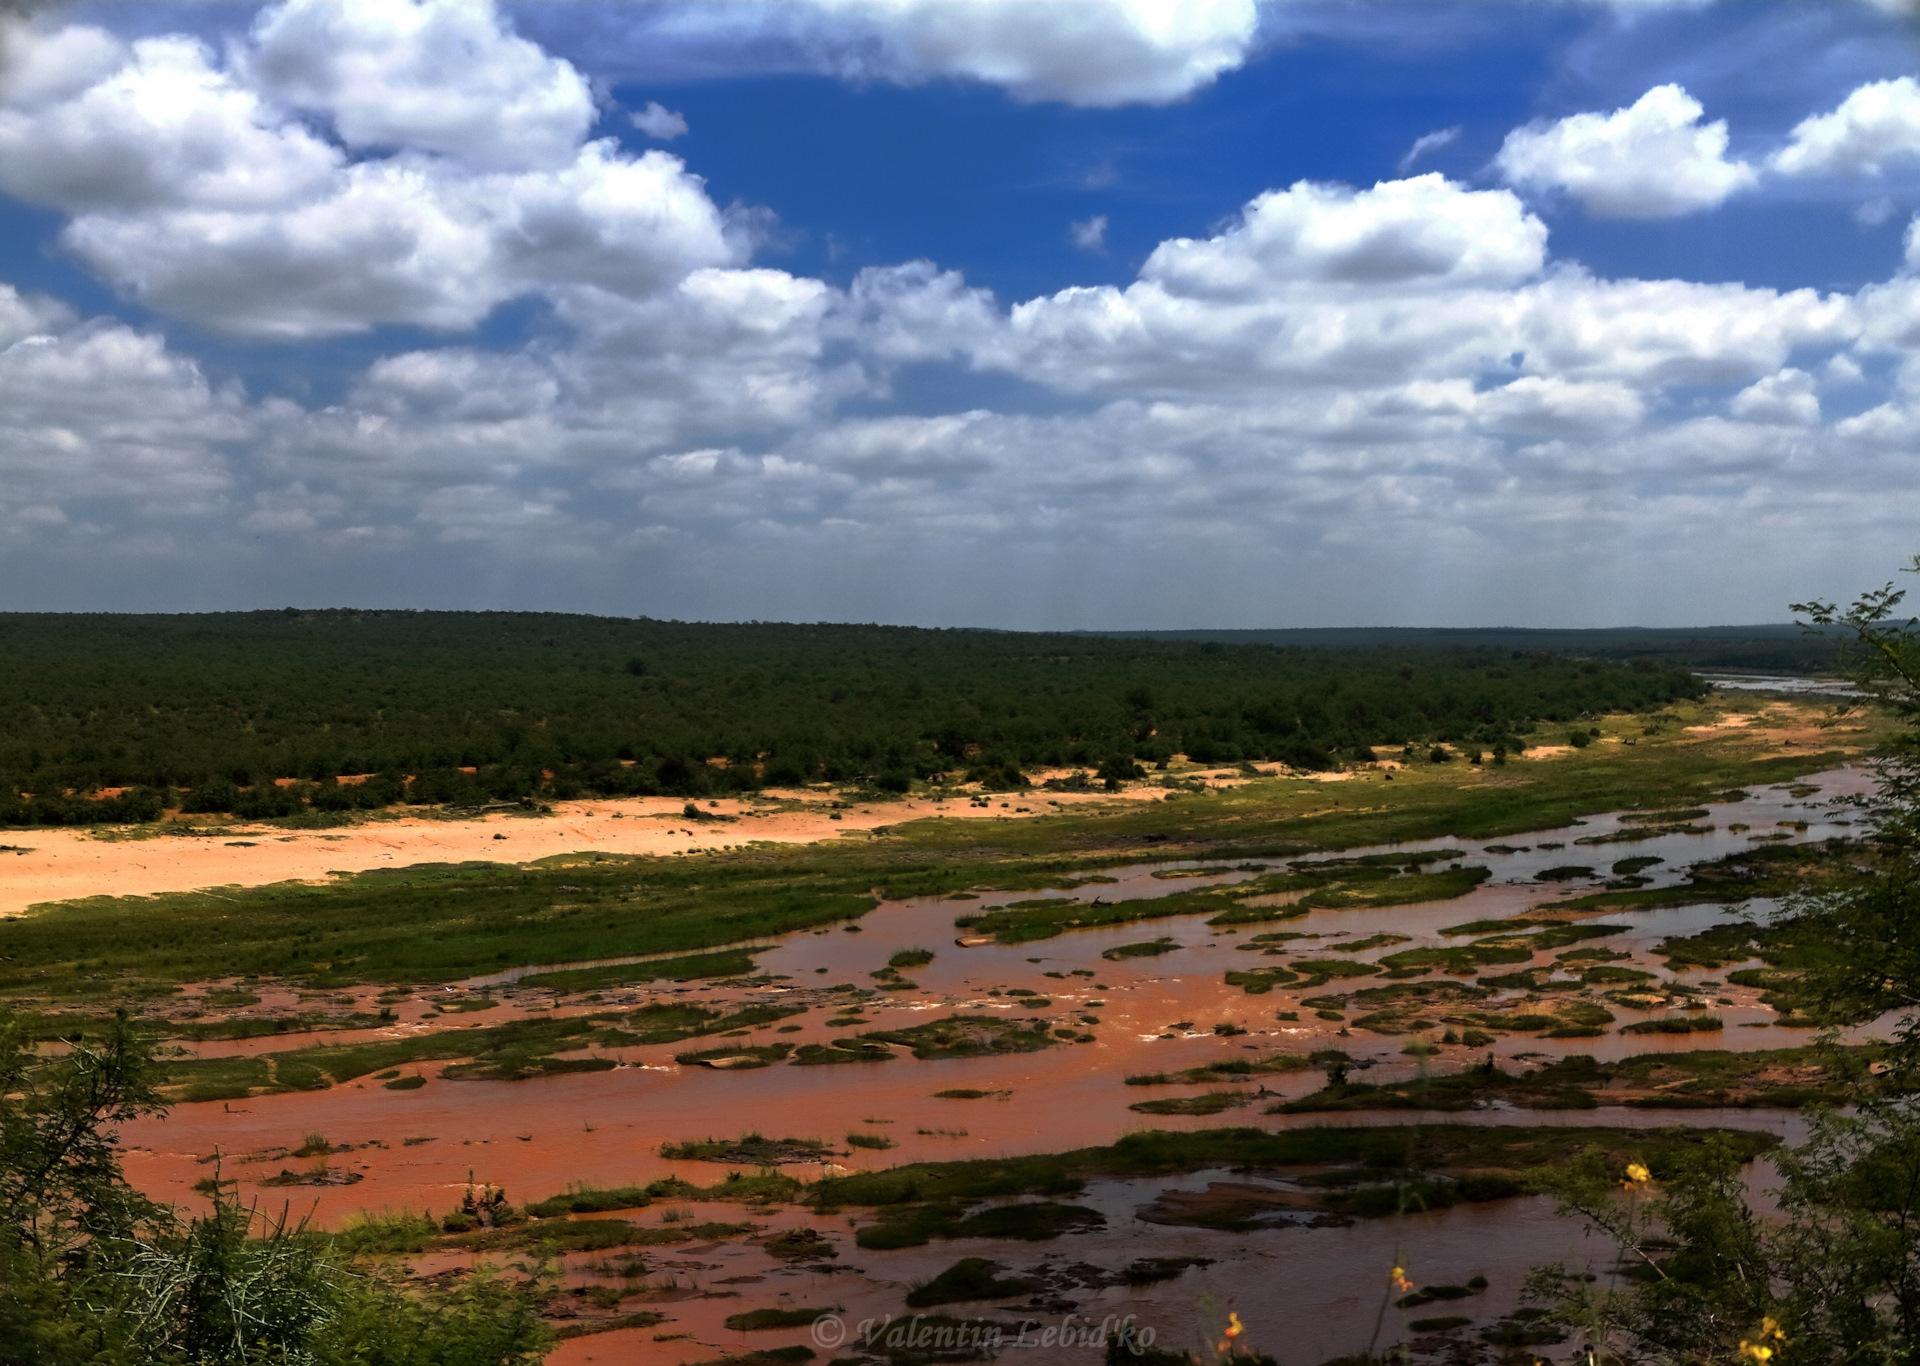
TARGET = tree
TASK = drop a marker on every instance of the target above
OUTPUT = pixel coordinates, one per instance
(93, 1272)
(1699, 1275)
(1872, 922)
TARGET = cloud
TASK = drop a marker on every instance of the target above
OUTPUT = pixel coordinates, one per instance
(1787, 397)
(1428, 142)
(444, 76)
(153, 126)
(1390, 395)
(1873, 212)
(401, 241)
(1089, 234)
(916, 313)
(1879, 123)
(1401, 359)
(193, 186)
(1088, 53)
(1417, 233)
(1653, 159)
(1092, 53)
(96, 414)
(659, 122)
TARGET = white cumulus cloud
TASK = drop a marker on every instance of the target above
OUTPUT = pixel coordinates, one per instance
(442, 76)
(1786, 397)
(1652, 159)
(1412, 233)
(151, 126)
(98, 412)
(1874, 126)
(193, 185)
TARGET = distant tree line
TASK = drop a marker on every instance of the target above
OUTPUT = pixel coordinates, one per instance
(217, 712)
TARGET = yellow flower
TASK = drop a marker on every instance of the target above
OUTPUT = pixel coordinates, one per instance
(1233, 1330)
(1757, 1350)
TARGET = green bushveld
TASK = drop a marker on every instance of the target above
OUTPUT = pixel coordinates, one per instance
(220, 703)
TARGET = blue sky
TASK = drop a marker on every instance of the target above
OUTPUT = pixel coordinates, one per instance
(1087, 313)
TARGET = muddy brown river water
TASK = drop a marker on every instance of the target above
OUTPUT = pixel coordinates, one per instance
(1306, 1293)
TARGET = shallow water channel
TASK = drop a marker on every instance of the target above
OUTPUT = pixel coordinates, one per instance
(1307, 1293)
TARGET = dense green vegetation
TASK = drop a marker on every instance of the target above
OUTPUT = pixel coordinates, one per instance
(533, 704)
(1784, 647)
(93, 1272)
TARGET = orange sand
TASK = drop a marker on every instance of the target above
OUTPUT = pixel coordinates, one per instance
(62, 865)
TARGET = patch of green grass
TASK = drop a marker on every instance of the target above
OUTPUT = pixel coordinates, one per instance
(1259, 981)
(1611, 976)
(1317, 972)
(756, 1055)
(923, 1200)
(553, 1237)
(841, 1051)
(424, 923)
(1149, 949)
(513, 1051)
(592, 1200)
(970, 1278)
(1033, 1222)
(1463, 960)
(966, 1036)
(756, 1319)
(386, 1233)
(1778, 1078)
(1677, 1024)
(1227, 1069)
(751, 1149)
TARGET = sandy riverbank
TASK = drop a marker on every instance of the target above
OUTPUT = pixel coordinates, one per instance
(63, 865)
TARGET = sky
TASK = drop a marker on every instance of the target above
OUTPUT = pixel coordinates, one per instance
(1027, 314)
